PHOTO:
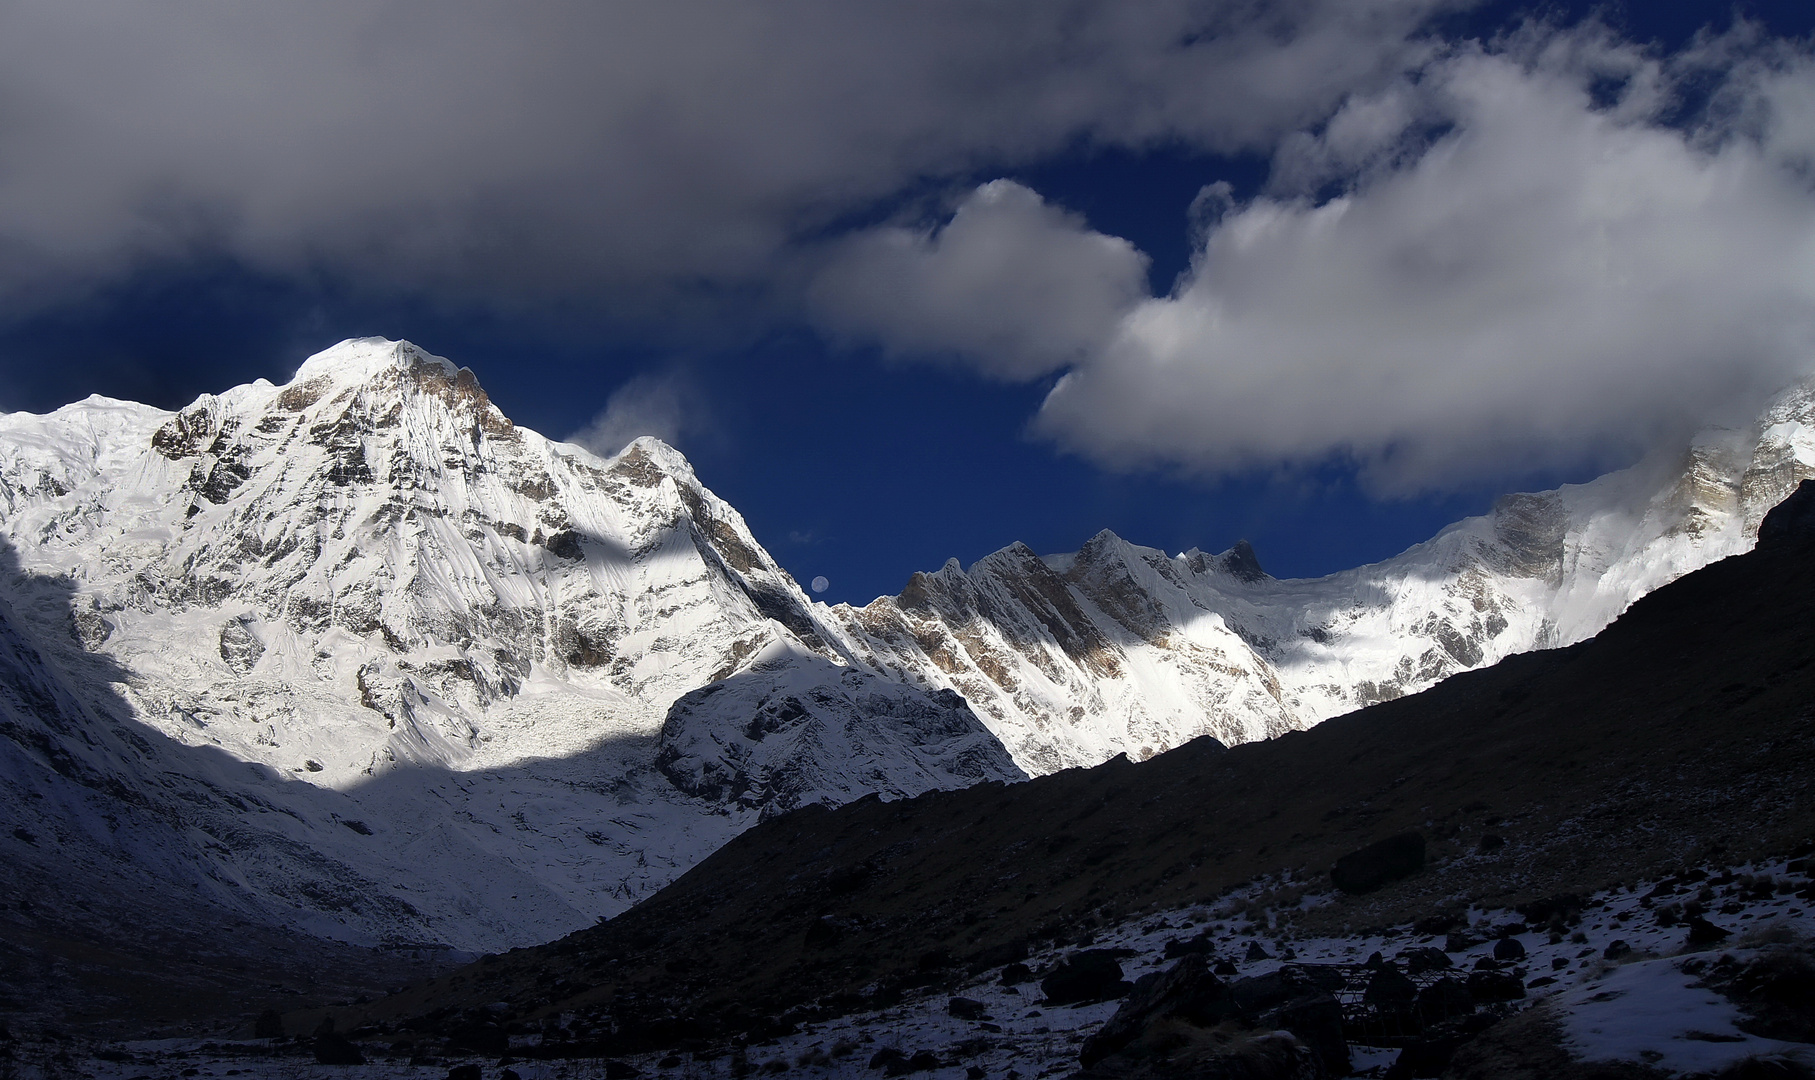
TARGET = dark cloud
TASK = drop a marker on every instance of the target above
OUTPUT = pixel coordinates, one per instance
(1009, 279)
(612, 153)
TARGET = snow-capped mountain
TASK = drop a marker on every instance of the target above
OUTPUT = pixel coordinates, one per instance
(1118, 648)
(430, 656)
(358, 655)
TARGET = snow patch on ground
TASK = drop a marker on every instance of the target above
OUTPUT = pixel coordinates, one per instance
(1640, 1007)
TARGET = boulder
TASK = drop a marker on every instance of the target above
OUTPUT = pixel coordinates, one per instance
(1258, 993)
(966, 1009)
(1085, 976)
(1509, 949)
(1379, 864)
(1315, 1019)
(1188, 991)
(1390, 991)
(1202, 944)
(1702, 932)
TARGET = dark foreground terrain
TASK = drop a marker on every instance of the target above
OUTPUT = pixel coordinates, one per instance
(1683, 735)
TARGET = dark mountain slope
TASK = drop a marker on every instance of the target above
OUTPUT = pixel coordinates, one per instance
(1685, 730)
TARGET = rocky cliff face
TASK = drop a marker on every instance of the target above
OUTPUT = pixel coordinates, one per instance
(1117, 648)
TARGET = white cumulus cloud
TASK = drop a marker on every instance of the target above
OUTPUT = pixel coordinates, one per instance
(665, 406)
(1010, 282)
(1532, 260)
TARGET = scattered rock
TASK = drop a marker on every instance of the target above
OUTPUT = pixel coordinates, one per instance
(1561, 910)
(1379, 864)
(1509, 949)
(1440, 923)
(1770, 1067)
(239, 647)
(1256, 953)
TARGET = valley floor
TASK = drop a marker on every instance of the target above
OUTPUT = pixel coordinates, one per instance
(1624, 984)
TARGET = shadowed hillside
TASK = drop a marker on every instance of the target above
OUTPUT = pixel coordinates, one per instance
(1682, 732)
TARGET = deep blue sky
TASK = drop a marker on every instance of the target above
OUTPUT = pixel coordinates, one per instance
(846, 463)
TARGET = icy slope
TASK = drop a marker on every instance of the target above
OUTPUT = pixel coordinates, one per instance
(1071, 659)
(445, 645)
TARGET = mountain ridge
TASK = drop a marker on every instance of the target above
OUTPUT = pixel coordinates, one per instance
(388, 604)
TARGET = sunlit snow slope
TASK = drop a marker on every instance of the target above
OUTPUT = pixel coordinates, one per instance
(424, 657)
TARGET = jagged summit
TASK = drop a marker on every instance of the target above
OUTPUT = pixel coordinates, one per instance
(1241, 561)
(1117, 648)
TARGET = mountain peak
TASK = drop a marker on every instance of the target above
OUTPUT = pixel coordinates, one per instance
(1241, 561)
(359, 360)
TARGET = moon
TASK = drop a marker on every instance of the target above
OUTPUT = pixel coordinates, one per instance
(820, 584)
